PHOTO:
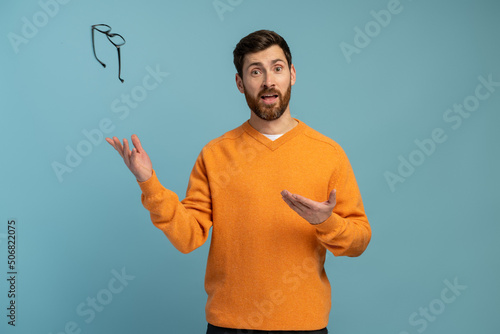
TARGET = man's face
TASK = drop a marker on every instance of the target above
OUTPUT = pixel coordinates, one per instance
(267, 82)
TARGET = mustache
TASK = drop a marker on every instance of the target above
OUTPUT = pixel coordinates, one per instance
(269, 92)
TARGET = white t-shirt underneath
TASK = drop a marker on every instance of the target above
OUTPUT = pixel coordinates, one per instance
(273, 137)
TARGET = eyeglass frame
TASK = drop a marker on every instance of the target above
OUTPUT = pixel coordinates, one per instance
(117, 45)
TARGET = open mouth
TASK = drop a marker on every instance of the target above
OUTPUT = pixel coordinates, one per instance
(269, 98)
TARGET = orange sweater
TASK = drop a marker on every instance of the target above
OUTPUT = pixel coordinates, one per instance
(265, 264)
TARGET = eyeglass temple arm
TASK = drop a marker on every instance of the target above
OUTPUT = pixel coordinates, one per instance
(93, 48)
(119, 64)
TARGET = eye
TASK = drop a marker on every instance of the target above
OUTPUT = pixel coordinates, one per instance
(255, 72)
(279, 68)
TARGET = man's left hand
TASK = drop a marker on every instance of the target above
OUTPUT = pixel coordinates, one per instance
(312, 211)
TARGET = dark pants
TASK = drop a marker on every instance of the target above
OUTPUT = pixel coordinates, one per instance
(211, 329)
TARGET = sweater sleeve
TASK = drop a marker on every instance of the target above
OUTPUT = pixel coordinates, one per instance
(347, 231)
(186, 223)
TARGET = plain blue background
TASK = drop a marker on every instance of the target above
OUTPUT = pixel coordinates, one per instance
(440, 224)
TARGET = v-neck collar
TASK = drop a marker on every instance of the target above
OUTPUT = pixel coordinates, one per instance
(273, 144)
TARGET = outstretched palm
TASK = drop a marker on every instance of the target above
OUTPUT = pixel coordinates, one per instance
(312, 211)
(136, 159)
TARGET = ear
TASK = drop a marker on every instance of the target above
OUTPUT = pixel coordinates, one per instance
(292, 75)
(239, 83)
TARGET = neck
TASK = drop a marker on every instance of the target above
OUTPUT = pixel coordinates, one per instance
(275, 127)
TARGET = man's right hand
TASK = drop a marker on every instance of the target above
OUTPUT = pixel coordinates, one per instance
(136, 159)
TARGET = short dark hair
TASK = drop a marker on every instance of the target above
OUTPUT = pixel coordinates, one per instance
(258, 41)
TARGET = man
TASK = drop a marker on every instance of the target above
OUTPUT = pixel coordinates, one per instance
(277, 194)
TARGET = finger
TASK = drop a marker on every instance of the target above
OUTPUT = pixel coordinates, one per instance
(308, 203)
(298, 200)
(113, 143)
(133, 155)
(118, 146)
(126, 152)
(287, 194)
(137, 143)
(333, 197)
(292, 205)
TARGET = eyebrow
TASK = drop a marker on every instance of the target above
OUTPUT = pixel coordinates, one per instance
(260, 64)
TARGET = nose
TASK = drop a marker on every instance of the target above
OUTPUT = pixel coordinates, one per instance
(269, 81)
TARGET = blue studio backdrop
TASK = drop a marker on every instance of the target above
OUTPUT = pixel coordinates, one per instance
(409, 89)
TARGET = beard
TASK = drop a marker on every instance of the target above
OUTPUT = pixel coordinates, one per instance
(269, 112)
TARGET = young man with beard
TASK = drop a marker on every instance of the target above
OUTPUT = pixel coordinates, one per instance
(277, 194)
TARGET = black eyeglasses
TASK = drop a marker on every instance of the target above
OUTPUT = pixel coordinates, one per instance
(105, 29)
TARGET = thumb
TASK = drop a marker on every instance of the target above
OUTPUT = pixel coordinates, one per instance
(137, 143)
(135, 156)
(333, 197)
